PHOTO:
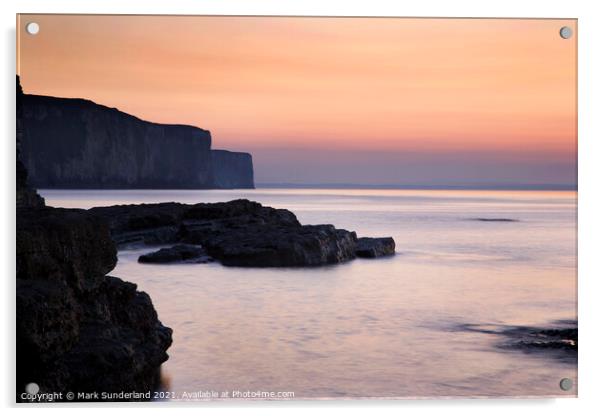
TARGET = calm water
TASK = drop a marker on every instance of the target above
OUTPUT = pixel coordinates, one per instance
(372, 328)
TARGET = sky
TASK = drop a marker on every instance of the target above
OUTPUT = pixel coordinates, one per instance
(367, 101)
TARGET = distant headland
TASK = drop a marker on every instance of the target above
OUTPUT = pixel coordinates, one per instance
(76, 143)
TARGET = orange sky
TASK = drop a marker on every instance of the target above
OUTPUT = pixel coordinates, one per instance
(368, 84)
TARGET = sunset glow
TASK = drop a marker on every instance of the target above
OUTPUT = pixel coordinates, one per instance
(443, 93)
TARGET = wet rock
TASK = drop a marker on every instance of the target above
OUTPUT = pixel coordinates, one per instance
(121, 338)
(375, 247)
(177, 254)
(237, 233)
(63, 245)
(143, 223)
(239, 213)
(257, 246)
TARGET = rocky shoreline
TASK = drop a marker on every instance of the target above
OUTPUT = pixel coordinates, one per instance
(80, 330)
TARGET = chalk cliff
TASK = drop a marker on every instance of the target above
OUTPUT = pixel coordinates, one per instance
(76, 143)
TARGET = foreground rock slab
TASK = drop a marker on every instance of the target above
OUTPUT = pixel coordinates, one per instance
(78, 329)
(239, 233)
(177, 254)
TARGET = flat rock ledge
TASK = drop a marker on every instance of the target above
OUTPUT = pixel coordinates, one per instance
(238, 233)
(181, 253)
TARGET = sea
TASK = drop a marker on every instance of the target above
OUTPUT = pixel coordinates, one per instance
(426, 322)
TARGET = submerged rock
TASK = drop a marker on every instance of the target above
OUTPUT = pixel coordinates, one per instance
(560, 342)
(529, 338)
(239, 233)
(375, 247)
(177, 254)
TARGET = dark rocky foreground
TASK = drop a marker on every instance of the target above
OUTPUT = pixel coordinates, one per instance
(239, 233)
(80, 330)
(77, 330)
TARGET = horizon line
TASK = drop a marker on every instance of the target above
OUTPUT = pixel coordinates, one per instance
(465, 186)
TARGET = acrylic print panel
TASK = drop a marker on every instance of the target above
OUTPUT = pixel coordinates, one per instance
(219, 207)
